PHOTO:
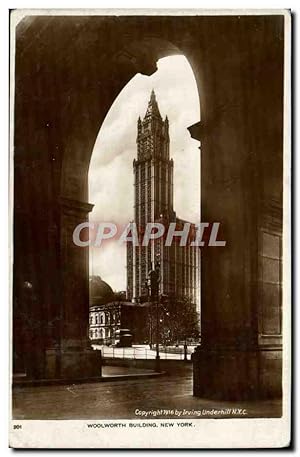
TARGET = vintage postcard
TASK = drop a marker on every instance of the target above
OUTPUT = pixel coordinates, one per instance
(150, 228)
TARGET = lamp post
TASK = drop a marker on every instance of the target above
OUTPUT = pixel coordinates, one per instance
(157, 357)
(153, 284)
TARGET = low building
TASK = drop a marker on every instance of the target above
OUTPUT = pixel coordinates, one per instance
(113, 321)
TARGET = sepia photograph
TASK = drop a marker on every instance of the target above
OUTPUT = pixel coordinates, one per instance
(150, 254)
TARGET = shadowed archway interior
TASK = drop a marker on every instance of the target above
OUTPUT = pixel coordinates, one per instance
(66, 83)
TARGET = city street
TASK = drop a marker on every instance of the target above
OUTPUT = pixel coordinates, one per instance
(128, 400)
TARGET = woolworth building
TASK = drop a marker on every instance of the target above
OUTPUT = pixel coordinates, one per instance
(153, 202)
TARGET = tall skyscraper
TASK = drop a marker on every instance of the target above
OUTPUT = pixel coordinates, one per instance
(153, 202)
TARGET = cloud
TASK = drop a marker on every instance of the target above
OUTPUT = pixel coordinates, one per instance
(111, 173)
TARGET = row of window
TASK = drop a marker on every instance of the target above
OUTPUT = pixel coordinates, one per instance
(101, 333)
(103, 318)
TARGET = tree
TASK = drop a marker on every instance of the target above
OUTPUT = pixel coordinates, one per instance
(178, 321)
(182, 320)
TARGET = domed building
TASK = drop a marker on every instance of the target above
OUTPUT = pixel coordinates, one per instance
(100, 292)
(112, 319)
(101, 316)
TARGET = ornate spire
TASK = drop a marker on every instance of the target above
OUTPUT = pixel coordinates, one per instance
(152, 110)
(152, 96)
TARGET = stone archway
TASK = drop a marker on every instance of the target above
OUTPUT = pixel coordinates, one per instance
(66, 82)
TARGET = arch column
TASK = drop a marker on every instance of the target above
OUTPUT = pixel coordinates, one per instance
(73, 357)
(241, 352)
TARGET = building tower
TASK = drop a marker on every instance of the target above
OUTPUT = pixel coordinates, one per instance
(153, 202)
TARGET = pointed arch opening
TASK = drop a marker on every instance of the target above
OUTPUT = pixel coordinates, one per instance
(111, 178)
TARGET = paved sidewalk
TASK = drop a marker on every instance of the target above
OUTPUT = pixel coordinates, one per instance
(109, 374)
(119, 371)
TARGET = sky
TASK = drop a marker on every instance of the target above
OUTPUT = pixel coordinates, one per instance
(111, 171)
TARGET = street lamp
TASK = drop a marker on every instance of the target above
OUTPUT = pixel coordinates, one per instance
(153, 285)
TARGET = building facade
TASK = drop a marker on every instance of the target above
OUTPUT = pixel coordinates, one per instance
(153, 202)
(113, 320)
